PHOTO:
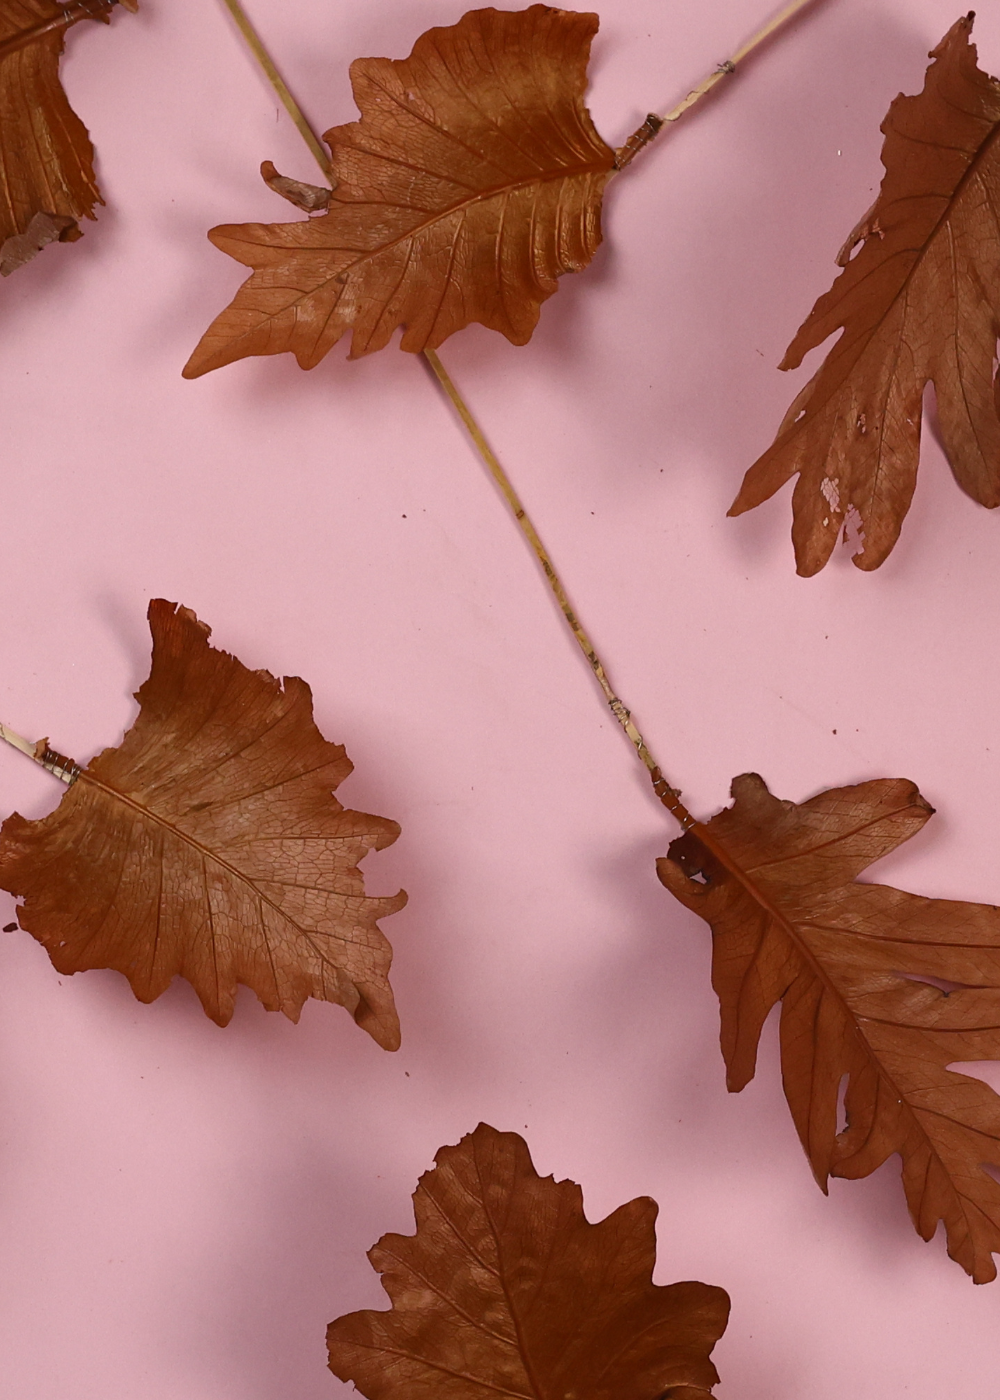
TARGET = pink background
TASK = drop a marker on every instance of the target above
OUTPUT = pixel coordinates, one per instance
(184, 1208)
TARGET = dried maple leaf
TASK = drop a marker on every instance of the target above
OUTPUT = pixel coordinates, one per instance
(47, 177)
(507, 1290)
(209, 845)
(919, 302)
(790, 922)
(472, 181)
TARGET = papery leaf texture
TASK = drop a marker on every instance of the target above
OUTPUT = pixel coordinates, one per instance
(856, 969)
(919, 302)
(47, 180)
(209, 845)
(506, 1290)
(471, 183)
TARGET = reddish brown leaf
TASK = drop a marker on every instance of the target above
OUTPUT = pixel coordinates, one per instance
(47, 177)
(919, 302)
(506, 1290)
(472, 181)
(791, 923)
(209, 845)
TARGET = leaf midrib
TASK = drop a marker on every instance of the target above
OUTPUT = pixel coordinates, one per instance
(206, 853)
(460, 206)
(522, 1345)
(865, 340)
(773, 911)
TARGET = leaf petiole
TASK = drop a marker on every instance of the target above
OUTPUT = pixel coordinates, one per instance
(72, 13)
(56, 763)
(655, 122)
(667, 795)
(260, 53)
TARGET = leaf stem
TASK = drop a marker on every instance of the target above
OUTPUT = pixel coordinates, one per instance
(655, 123)
(667, 795)
(293, 109)
(71, 13)
(56, 763)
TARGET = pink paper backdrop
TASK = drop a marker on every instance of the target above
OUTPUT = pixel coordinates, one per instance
(184, 1208)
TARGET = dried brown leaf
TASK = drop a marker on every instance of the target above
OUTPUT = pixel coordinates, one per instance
(791, 923)
(472, 181)
(919, 302)
(506, 1290)
(47, 177)
(208, 845)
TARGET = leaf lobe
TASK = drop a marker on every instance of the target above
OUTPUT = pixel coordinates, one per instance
(791, 923)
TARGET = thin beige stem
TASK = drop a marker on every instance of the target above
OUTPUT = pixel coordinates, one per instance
(56, 763)
(293, 109)
(727, 68)
(667, 795)
(655, 122)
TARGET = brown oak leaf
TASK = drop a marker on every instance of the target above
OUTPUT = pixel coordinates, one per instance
(209, 845)
(506, 1290)
(47, 177)
(472, 181)
(919, 302)
(856, 968)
